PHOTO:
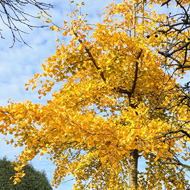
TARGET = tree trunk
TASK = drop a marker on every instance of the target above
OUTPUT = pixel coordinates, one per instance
(133, 157)
(133, 163)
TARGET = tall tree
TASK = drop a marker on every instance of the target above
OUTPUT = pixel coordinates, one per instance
(117, 103)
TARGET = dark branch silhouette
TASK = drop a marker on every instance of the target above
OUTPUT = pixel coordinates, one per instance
(13, 15)
(176, 48)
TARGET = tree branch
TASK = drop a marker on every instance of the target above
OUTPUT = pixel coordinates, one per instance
(12, 15)
(136, 73)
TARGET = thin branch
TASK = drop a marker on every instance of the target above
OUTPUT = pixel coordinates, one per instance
(92, 58)
(12, 14)
(175, 132)
(136, 73)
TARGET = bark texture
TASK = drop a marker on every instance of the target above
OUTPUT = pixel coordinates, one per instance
(133, 160)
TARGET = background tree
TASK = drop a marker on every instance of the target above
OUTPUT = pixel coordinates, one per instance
(33, 180)
(14, 16)
(176, 50)
(177, 35)
(116, 103)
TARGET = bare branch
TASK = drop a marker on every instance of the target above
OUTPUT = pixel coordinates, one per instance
(12, 14)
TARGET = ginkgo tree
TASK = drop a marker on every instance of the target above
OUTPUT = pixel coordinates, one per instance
(117, 103)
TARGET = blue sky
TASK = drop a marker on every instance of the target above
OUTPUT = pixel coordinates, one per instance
(20, 63)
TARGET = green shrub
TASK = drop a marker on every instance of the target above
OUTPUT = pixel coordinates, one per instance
(33, 180)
